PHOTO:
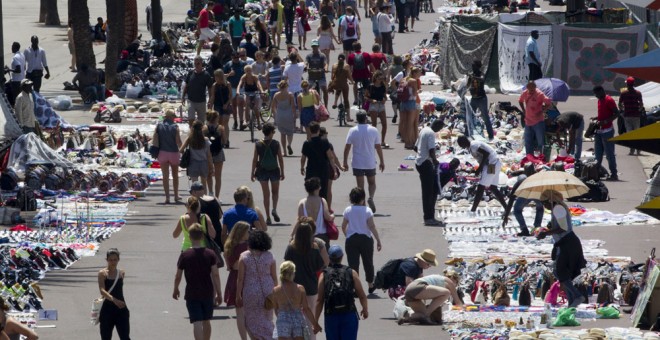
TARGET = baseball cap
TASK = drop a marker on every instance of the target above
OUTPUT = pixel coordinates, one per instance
(196, 186)
(335, 251)
(315, 42)
(630, 81)
(26, 82)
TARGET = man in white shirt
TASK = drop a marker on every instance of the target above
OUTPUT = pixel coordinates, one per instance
(17, 71)
(426, 164)
(293, 71)
(385, 28)
(35, 58)
(365, 140)
(533, 56)
(24, 107)
(489, 169)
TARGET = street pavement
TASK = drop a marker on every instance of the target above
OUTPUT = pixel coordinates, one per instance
(149, 254)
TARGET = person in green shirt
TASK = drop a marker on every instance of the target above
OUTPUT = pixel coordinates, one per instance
(236, 29)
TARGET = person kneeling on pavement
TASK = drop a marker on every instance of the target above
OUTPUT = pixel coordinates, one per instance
(438, 289)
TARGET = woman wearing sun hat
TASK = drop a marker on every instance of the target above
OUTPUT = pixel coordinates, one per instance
(567, 249)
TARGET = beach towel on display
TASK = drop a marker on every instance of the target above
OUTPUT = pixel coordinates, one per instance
(514, 71)
(582, 53)
(465, 45)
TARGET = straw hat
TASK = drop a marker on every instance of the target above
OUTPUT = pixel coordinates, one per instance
(428, 256)
(501, 135)
(155, 109)
(143, 109)
(152, 104)
(94, 108)
(444, 134)
(170, 113)
(131, 109)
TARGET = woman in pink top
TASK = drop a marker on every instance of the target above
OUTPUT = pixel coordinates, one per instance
(533, 102)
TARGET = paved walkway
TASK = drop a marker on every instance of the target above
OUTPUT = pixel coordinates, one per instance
(149, 253)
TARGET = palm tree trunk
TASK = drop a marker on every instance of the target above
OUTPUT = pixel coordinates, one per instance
(82, 39)
(131, 21)
(42, 10)
(115, 41)
(52, 15)
(156, 20)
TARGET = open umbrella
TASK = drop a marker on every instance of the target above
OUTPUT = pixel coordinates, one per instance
(563, 182)
(651, 208)
(556, 89)
(645, 139)
(644, 66)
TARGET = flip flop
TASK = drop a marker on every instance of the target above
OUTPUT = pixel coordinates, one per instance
(386, 146)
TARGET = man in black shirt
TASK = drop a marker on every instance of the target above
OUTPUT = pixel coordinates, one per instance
(289, 15)
(210, 206)
(316, 157)
(574, 122)
(412, 268)
(198, 84)
(317, 66)
(479, 101)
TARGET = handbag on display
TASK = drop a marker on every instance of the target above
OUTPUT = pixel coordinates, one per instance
(185, 159)
(591, 129)
(97, 304)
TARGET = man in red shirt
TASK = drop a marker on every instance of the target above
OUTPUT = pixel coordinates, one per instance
(377, 58)
(203, 31)
(632, 105)
(534, 102)
(359, 63)
(607, 113)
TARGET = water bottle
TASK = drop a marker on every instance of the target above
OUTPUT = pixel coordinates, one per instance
(547, 311)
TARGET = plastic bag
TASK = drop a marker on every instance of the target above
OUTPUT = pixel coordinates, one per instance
(133, 91)
(400, 308)
(114, 101)
(60, 102)
(608, 312)
(566, 317)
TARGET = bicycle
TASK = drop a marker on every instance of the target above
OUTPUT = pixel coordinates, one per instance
(251, 111)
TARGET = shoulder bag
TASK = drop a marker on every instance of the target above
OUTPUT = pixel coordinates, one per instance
(211, 244)
(185, 159)
(330, 228)
(154, 149)
(97, 303)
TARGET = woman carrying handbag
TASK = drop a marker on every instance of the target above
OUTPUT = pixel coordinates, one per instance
(114, 312)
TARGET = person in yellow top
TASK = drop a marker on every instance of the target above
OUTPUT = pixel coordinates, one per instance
(191, 217)
(307, 99)
(275, 15)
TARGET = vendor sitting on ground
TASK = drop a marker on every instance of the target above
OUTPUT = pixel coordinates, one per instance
(89, 85)
(436, 288)
(190, 22)
(99, 30)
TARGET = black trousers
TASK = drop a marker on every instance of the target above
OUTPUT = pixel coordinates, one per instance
(288, 25)
(535, 72)
(386, 42)
(15, 87)
(429, 180)
(401, 15)
(360, 245)
(36, 77)
(112, 317)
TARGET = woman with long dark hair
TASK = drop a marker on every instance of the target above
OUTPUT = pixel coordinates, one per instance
(114, 312)
(305, 254)
(201, 161)
(262, 35)
(326, 36)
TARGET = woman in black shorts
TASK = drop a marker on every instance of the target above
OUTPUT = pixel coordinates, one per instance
(268, 166)
(219, 100)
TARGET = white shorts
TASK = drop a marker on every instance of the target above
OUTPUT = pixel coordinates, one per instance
(206, 34)
(491, 179)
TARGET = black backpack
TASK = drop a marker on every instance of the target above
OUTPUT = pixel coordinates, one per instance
(216, 141)
(387, 275)
(590, 171)
(598, 192)
(339, 292)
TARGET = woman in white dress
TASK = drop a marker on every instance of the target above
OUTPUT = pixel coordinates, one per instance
(326, 37)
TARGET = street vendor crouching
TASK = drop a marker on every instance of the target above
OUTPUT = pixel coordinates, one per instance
(438, 289)
(567, 249)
